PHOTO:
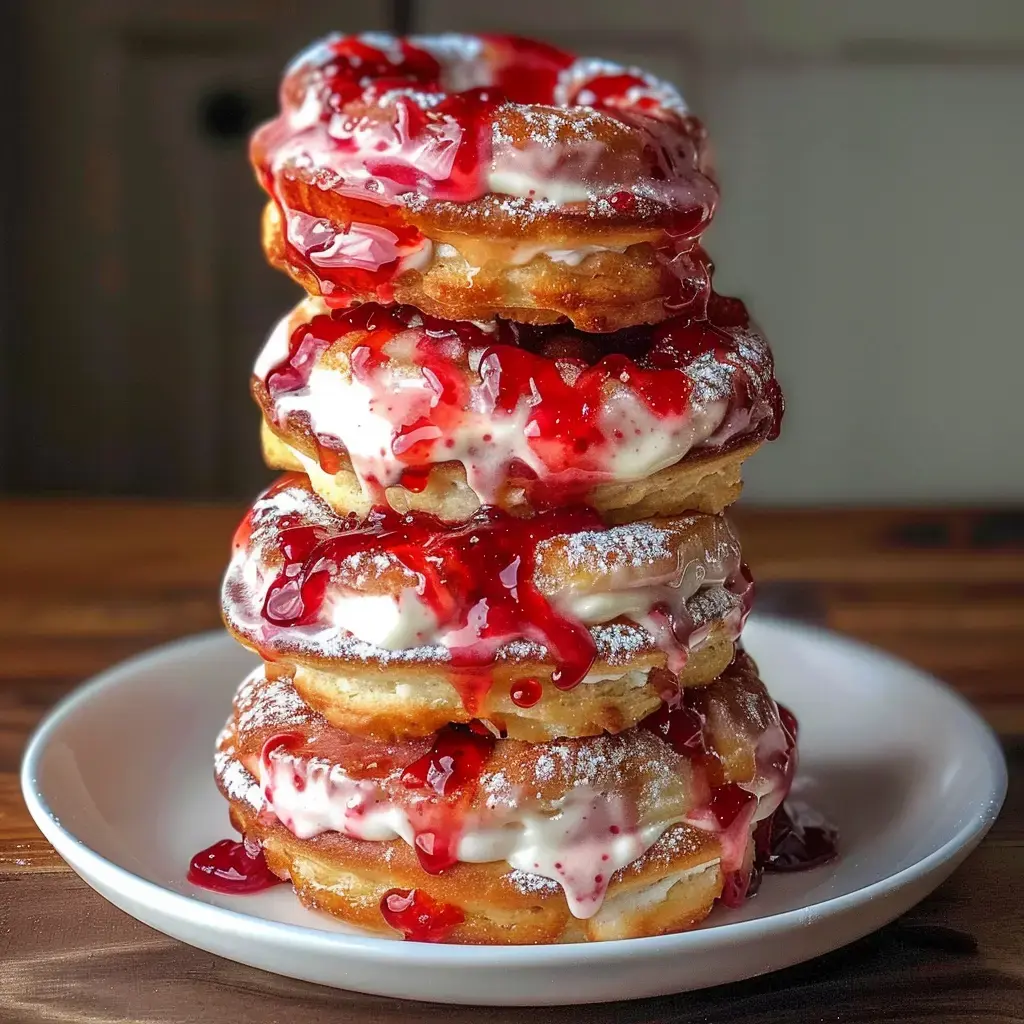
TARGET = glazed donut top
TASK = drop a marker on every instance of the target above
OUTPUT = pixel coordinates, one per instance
(487, 129)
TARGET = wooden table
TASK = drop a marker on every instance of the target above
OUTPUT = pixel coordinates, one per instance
(88, 583)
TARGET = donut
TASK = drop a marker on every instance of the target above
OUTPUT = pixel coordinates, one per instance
(399, 623)
(604, 837)
(383, 404)
(483, 176)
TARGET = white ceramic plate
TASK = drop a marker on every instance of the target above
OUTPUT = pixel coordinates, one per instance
(119, 779)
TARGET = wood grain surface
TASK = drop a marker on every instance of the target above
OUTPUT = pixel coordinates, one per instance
(88, 583)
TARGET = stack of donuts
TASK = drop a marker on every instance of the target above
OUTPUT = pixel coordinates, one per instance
(496, 599)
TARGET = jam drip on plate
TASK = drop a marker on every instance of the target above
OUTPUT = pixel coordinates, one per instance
(477, 578)
(231, 866)
(580, 406)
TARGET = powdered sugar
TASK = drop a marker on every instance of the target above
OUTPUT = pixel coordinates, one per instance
(530, 884)
(632, 545)
(233, 777)
(263, 703)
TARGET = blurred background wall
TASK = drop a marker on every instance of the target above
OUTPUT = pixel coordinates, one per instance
(871, 157)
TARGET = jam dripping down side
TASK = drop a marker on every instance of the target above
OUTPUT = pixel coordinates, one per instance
(444, 780)
(794, 838)
(231, 866)
(434, 788)
(362, 258)
(417, 916)
(477, 579)
(790, 839)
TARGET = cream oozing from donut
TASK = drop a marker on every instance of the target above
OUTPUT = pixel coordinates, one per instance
(522, 253)
(392, 413)
(579, 843)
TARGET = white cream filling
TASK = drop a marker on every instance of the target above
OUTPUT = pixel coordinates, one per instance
(636, 602)
(580, 844)
(275, 350)
(366, 419)
(638, 900)
(511, 181)
(343, 408)
(651, 443)
(394, 623)
(520, 255)
(571, 257)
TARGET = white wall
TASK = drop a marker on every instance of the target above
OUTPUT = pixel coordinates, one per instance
(872, 163)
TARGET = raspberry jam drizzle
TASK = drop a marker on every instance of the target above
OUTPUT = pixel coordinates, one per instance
(233, 867)
(562, 389)
(524, 693)
(477, 578)
(445, 780)
(434, 789)
(417, 916)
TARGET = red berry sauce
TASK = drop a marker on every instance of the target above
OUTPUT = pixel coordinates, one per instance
(787, 840)
(445, 778)
(524, 693)
(796, 840)
(229, 867)
(477, 579)
(681, 727)
(417, 916)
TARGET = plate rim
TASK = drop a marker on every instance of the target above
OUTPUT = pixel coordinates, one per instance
(197, 913)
